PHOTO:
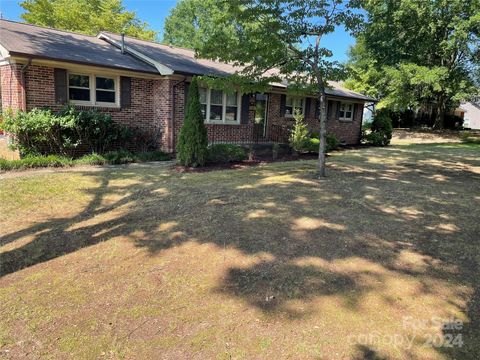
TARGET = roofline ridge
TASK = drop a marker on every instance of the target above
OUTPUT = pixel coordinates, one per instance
(48, 28)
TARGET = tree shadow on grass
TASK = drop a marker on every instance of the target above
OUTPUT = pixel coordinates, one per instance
(367, 216)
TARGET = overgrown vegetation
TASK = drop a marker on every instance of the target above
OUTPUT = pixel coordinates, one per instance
(222, 153)
(381, 130)
(112, 157)
(44, 132)
(302, 140)
(192, 146)
(469, 137)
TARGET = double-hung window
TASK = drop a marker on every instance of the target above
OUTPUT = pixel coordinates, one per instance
(294, 105)
(346, 112)
(219, 107)
(93, 90)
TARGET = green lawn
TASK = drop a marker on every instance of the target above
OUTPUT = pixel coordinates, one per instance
(263, 262)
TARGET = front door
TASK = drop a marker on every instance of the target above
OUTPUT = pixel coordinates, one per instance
(261, 101)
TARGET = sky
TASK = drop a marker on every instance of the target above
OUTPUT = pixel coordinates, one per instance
(154, 13)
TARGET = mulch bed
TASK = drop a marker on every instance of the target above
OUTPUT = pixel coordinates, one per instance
(242, 164)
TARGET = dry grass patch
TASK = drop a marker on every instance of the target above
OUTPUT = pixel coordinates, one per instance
(263, 262)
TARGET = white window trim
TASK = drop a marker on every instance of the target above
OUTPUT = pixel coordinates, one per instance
(345, 119)
(223, 121)
(295, 98)
(93, 87)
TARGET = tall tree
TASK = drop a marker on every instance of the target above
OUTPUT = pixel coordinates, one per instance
(418, 52)
(86, 16)
(190, 21)
(274, 40)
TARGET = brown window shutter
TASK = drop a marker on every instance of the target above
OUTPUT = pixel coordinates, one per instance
(308, 105)
(61, 89)
(283, 101)
(337, 113)
(329, 109)
(125, 92)
(245, 109)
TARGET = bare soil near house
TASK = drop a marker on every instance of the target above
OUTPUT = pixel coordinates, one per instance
(261, 262)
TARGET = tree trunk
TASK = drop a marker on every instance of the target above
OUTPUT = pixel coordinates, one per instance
(440, 115)
(322, 103)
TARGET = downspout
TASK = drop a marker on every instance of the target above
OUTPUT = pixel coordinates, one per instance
(172, 112)
(23, 80)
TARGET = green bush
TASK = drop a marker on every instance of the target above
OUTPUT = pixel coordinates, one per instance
(119, 157)
(96, 130)
(43, 132)
(299, 135)
(152, 156)
(226, 153)
(91, 159)
(40, 132)
(313, 143)
(468, 137)
(380, 130)
(30, 162)
(192, 146)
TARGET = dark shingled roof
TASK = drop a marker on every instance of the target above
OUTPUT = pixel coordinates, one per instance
(35, 41)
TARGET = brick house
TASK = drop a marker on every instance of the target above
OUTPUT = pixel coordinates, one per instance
(143, 84)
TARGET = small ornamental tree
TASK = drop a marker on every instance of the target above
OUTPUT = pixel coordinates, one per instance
(192, 146)
(300, 135)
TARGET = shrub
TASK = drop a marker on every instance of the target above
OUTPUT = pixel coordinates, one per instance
(380, 130)
(313, 143)
(91, 159)
(299, 135)
(36, 162)
(119, 157)
(468, 137)
(96, 130)
(152, 156)
(453, 122)
(42, 132)
(192, 146)
(226, 153)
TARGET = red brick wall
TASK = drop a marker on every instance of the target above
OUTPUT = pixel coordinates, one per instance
(153, 105)
(216, 132)
(347, 132)
(11, 84)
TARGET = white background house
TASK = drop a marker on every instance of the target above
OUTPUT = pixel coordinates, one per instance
(471, 114)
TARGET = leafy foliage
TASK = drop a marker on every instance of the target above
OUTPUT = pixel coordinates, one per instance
(192, 146)
(190, 22)
(221, 153)
(418, 54)
(40, 131)
(277, 41)
(313, 143)
(112, 157)
(86, 16)
(299, 135)
(380, 130)
(43, 132)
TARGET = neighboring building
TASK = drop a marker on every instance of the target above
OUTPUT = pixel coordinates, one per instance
(143, 84)
(470, 113)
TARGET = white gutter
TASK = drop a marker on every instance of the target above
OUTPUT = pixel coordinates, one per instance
(162, 69)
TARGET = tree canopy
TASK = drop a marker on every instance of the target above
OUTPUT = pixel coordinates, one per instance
(417, 53)
(86, 16)
(273, 40)
(190, 22)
